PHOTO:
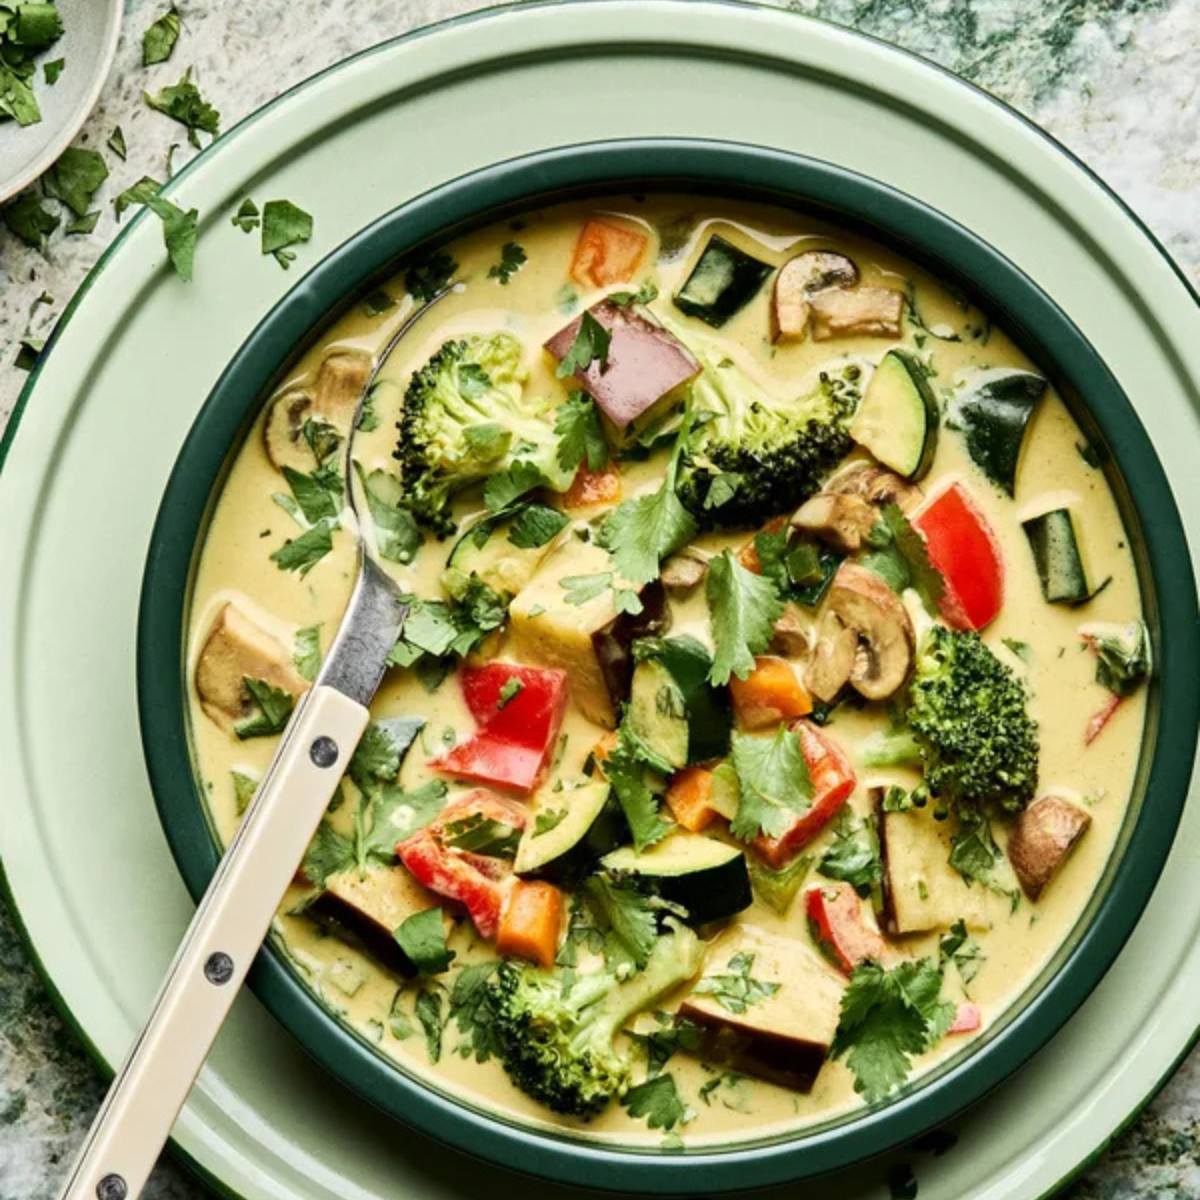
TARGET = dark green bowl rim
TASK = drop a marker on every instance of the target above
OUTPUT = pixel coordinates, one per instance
(923, 234)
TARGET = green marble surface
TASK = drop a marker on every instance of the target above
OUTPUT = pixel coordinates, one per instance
(1118, 81)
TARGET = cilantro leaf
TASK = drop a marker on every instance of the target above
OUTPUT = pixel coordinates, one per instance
(641, 532)
(673, 1035)
(422, 937)
(590, 345)
(536, 525)
(582, 588)
(773, 783)
(639, 802)
(428, 276)
(244, 787)
(580, 434)
(957, 946)
(183, 102)
(376, 758)
(506, 487)
(647, 292)
(973, 849)
(512, 688)
(397, 814)
(736, 990)
(27, 219)
(304, 552)
(472, 1012)
(159, 39)
(274, 707)
(547, 820)
(284, 225)
(901, 558)
(116, 143)
(397, 535)
(429, 1012)
(318, 495)
(627, 915)
(512, 258)
(75, 178)
(247, 218)
(52, 70)
(886, 1018)
(658, 1101)
(329, 853)
(477, 834)
(853, 855)
(306, 652)
(743, 608)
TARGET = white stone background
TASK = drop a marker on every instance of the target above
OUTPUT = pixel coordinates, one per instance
(1118, 81)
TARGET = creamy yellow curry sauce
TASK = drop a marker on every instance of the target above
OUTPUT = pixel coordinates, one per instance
(929, 483)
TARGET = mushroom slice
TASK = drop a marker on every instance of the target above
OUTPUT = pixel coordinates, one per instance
(876, 484)
(791, 636)
(866, 621)
(283, 430)
(683, 572)
(237, 649)
(863, 312)
(841, 519)
(1042, 837)
(798, 281)
(333, 399)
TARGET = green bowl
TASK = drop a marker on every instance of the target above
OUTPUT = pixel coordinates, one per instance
(949, 250)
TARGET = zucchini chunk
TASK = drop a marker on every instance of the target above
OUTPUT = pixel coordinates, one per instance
(994, 415)
(371, 907)
(723, 281)
(783, 1038)
(708, 715)
(1042, 837)
(590, 641)
(1056, 557)
(921, 890)
(570, 831)
(486, 552)
(706, 877)
(898, 417)
(657, 716)
(235, 650)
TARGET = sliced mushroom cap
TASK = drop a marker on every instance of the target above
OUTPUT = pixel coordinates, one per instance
(333, 398)
(863, 312)
(340, 382)
(866, 623)
(841, 519)
(876, 484)
(1041, 839)
(791, 635)
(683, 572)
(282, 438)
(798, 281)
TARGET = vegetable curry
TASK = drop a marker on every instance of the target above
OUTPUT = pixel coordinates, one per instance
(771, 692)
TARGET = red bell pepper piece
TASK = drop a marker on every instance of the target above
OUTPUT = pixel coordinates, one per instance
(1100, 718)
(476, 881)
(516, 734)
(833, 781)
(964, 550)
(967, 1019)
(835, 915)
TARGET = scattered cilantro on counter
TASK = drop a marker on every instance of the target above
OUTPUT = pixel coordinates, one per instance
(27, 29)
(743, 608)
(27, 219)
(52, 70)
(159, 40)
(512, 258)
(773, 783)
(284, 225)
(422, 937)
(247, 217)
(886, 1018)
(183, 102)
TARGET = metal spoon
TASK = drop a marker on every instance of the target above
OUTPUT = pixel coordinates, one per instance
(236, 911)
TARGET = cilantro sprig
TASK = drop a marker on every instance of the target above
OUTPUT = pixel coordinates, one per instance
(773, 783)
(743, 608)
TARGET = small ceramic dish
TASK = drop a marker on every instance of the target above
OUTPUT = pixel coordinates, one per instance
(1043, 330)
(89, 41)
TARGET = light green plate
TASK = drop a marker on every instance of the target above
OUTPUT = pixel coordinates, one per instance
(102, 421)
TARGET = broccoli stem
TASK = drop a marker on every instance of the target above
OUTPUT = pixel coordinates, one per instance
(897, 749)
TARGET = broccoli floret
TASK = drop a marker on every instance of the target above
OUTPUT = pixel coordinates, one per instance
(465, 418)
(752, 455)
(556, 1034)
(968, 726)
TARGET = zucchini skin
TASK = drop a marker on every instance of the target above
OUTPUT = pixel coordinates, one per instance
(709, 714)
(606, 833)
(994, 417)
(711, 893)
(1056, 556)
(744, 276)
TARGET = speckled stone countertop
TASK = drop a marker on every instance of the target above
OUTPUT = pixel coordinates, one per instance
(1118, 81)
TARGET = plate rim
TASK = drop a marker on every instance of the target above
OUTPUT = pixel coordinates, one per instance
(606, 166)
(1147, 1090)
